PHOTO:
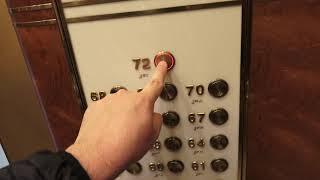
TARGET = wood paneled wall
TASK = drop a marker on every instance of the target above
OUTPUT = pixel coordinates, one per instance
(284, 97)
(44, 52)
(23, 127)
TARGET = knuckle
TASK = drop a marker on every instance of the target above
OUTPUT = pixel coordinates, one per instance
(156, 83)
(121, 91)
(143, 100)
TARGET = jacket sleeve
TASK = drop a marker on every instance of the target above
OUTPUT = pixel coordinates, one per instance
(45, 166)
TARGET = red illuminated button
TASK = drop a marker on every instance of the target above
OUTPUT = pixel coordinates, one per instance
(165, 56)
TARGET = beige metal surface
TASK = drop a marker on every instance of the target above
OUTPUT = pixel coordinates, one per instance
(23, 128)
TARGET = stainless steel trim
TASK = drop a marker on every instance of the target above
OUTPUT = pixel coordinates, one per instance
(36, 23)
(152, 11)
(36, 7)
(88, 2)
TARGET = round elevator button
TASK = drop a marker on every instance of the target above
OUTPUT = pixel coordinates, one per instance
(219, 142)
(116, 89)
(173, 143)
(219, 165)
(169, 92)
(164, 56)
(219, 116)
(175, 166)
(171, 119)
(218, 88)
(134, 168)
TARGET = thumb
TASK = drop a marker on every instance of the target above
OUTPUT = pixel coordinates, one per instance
(157, 123)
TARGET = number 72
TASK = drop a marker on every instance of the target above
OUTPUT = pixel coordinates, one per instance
(145, 63)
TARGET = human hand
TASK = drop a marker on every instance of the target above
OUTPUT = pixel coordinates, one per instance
(119, 129)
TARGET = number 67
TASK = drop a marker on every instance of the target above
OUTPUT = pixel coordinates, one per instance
(192, 117)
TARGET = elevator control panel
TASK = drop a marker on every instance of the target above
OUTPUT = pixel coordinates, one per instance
(118, 44)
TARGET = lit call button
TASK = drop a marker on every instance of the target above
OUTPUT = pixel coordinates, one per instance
(165, 56)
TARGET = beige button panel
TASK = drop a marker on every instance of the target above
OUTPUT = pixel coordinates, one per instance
(201, 99)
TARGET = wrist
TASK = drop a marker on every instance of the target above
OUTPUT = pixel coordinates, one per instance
(95, 164)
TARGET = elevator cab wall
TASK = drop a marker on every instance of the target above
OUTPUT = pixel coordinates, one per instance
(116, 45)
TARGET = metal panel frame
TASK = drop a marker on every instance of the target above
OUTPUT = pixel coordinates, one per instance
(245, 61)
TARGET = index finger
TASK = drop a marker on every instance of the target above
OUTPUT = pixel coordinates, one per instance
(154, 88)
